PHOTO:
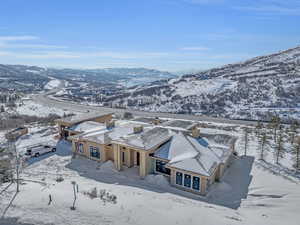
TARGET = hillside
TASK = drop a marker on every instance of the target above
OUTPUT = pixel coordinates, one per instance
(251, 89)
(22, 78)
(31, 78)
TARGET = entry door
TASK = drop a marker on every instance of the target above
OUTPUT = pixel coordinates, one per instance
(137, 158)
(123, 157)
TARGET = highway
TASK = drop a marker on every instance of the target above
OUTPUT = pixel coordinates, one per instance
(45, 99)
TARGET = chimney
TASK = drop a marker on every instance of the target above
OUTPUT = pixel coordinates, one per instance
(138, 129)
(156, 121)
(196, 132)
(110, 124)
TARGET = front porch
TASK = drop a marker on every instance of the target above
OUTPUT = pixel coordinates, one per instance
(125, 157)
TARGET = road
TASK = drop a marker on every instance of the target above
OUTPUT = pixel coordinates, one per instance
(45, 99)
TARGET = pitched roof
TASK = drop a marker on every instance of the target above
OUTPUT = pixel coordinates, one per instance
(181, 124)
(87, 126)
(147, 139)
(82, 117)
(196, 155)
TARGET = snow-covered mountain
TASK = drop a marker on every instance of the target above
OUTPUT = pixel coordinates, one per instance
(125, 76)
(27, 78)
(252, 89)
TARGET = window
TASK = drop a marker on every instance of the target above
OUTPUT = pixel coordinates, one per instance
(178, 178)
(187, 180)
(160, 167)
(80, 147)
(94, 152)
(196, 183)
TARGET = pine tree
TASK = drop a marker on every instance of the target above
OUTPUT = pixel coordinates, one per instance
(275, 123)
(263, 145)
(293, 131)
(246, 140)
(296, 153)
(258, 128)
(279, 150)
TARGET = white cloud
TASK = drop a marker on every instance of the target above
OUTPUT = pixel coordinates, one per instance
(194, 48)
(204, 1)
(72, 55)
(273, 7)
(18, 38)
(32, 46)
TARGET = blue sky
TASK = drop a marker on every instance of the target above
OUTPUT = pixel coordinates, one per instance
(172, 35)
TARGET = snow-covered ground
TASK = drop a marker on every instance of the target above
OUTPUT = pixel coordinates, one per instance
(52, 84)
(252, 192)
(32, 108)
(197, 87)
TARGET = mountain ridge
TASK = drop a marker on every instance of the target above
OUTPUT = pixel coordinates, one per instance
(254, 89)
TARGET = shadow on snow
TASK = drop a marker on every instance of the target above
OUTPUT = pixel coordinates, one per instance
(229, 192)
(63, 148)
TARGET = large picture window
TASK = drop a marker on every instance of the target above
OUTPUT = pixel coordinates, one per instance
(187, 180)
(196, 183)
(160, 167)
(94, 152)
(178, 178)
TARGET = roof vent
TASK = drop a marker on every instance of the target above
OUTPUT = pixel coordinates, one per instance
(196, 132)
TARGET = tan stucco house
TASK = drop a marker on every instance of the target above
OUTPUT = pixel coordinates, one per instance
(192, 161)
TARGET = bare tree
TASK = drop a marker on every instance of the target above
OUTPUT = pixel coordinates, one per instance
(75, 196)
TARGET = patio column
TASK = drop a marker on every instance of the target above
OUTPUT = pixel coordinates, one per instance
(143, 164)
(117, 156)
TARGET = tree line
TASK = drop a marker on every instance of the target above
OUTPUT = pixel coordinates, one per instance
(272, 137)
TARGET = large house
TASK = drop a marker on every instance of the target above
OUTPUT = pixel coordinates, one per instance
(177, 149)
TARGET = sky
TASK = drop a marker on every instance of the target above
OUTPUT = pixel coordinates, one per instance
(173, 35)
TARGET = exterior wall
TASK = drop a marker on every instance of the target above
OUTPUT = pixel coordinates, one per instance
(203, 182)
(153, 166)
(103, 119)
(16, 133)
(146, 162)
(86, 150)
(109, 152)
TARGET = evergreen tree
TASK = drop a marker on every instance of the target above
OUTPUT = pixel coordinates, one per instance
(263, 145)
(296, 153)
(258, 128)
(275, 123)
(293, 131)
(246, 140)
(279, 150)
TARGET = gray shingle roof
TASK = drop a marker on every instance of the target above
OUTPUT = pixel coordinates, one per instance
(184, 124)
(197, 155)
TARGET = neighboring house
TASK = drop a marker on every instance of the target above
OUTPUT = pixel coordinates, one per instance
(191, 160)
(68, 125)
(16, 133)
